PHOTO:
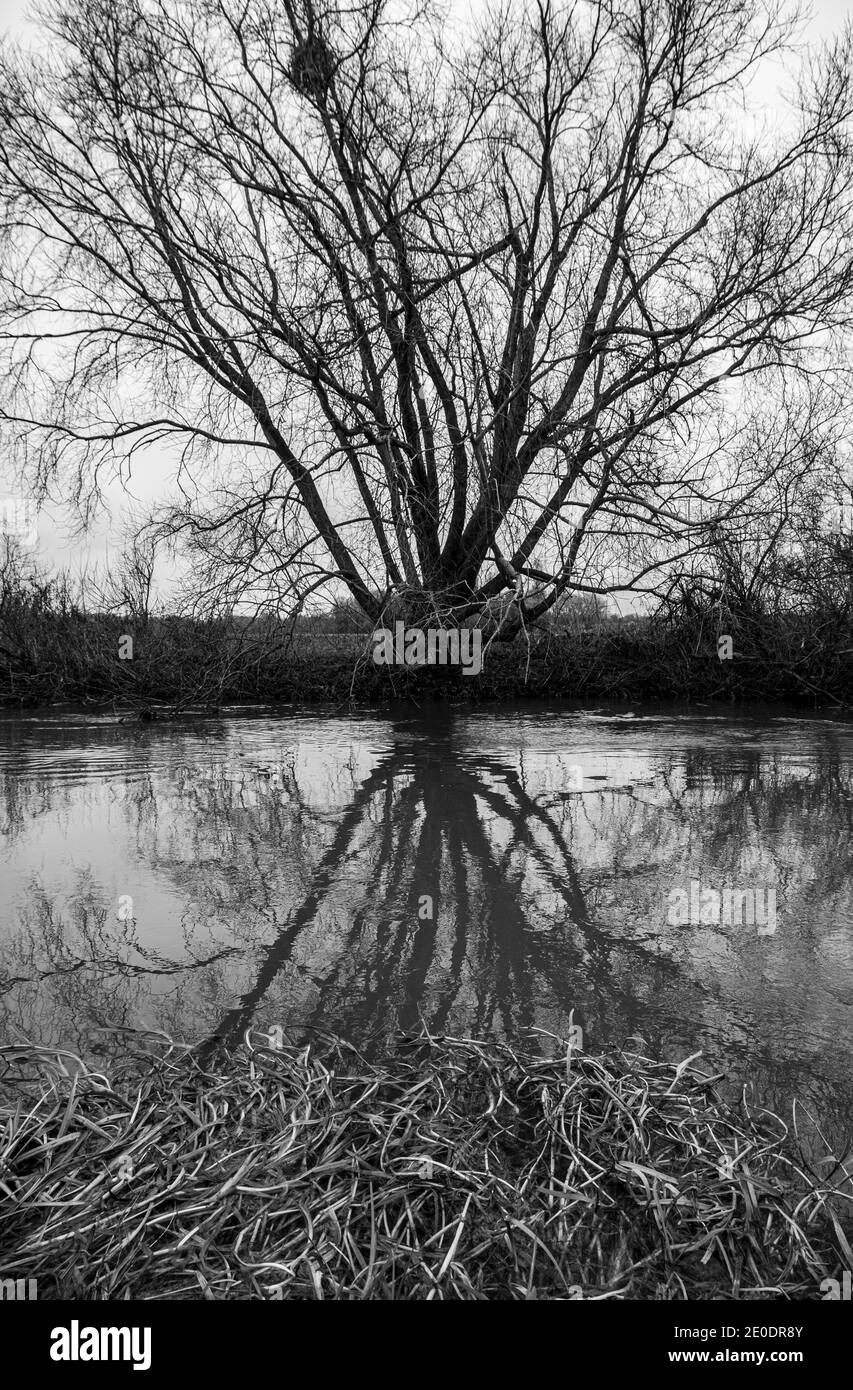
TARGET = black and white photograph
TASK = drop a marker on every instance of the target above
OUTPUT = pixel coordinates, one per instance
(426, 669)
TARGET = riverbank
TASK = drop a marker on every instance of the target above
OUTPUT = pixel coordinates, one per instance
(176, 663)
(450, 1169)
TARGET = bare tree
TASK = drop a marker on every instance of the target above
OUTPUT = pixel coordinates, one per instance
(127, 585)
(458, 319)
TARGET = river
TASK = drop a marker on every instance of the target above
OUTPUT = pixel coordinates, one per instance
(517, 871)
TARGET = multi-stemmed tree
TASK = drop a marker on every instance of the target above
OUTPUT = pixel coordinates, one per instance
(458, 312)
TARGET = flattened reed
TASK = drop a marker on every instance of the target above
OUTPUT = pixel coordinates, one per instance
(449, 1169)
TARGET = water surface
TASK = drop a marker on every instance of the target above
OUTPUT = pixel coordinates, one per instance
(485, 872)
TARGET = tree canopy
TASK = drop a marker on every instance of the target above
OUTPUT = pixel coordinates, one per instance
(458, 315)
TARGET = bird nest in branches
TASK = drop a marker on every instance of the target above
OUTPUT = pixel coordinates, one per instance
(311, 66)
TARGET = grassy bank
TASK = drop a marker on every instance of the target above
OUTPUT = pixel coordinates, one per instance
(55, 656)
(178, 665)
(449, 1169)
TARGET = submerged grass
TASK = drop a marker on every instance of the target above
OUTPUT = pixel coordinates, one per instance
(450, 1169)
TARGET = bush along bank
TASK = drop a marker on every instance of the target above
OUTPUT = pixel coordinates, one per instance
(174, 664)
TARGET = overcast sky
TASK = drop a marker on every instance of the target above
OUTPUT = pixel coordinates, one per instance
(152, 476)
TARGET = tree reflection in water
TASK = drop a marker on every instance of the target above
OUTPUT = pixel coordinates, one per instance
(277, 878)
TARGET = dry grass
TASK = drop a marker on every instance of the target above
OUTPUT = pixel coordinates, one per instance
(450, 1169)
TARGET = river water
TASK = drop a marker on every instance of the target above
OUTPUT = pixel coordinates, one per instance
(497, 871)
